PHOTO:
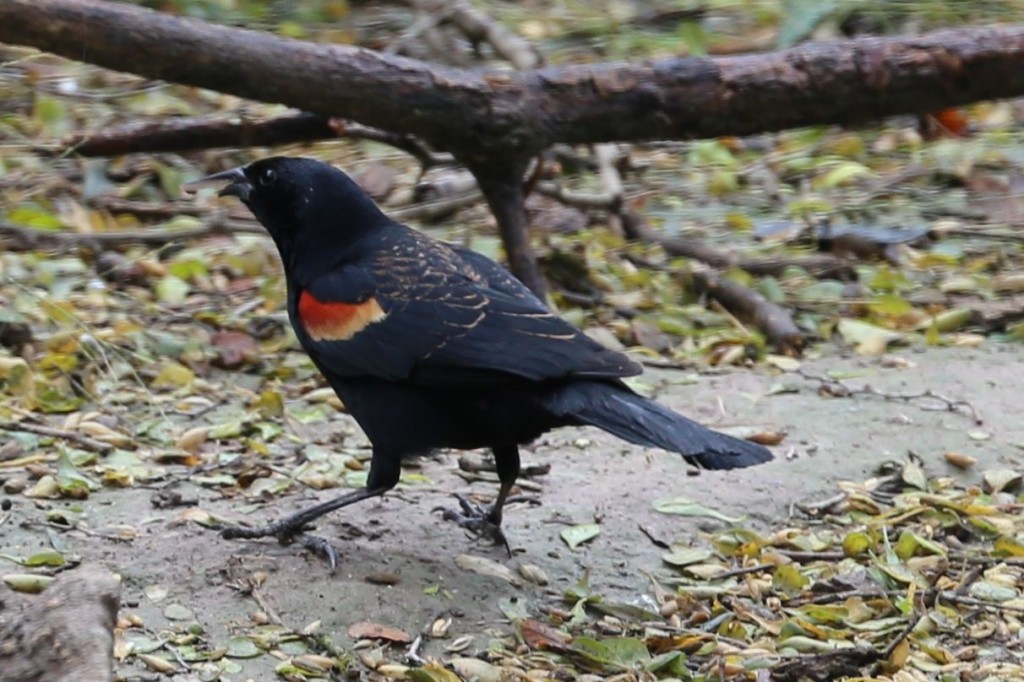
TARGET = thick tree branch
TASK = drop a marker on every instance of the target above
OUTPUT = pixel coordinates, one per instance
(478, 112)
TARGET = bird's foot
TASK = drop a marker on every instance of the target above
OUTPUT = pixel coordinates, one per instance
(287, 531)
(478, 521)
(482, 522)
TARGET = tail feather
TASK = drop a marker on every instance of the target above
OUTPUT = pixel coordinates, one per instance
(638, 420)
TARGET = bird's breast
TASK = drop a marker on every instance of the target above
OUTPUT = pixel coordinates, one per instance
(336, 320)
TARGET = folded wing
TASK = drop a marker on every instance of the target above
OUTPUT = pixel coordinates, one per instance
(445, 318)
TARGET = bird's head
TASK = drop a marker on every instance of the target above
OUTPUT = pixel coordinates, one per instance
(307, 206)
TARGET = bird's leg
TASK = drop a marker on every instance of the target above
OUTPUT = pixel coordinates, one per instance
(384, 474)
(487, 522)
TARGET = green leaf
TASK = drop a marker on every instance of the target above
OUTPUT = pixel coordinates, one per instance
(685, 556)
(855, 544)
(843, 174)
(683, 507)
(242, 647)
(890, 305)
(31, 216)
(47, 557)
(574, 536)
(789, 579)
(869, 339)
(70, 480)
(172, 290)
(627, 652)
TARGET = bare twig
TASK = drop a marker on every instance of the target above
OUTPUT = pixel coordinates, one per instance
(190, 134)
(802, 557)
(409, 144)
(34, 238)
(435, 209)
(261, 600)
(50, 432)
(841, 389)
(746, 570)
(952, 596)
(969, 579)
(886, 653)
(480, 28)
(833, 597)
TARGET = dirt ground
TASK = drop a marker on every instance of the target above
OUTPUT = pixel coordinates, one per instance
(171, 563)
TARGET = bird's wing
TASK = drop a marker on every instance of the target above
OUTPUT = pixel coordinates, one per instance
(437, 317)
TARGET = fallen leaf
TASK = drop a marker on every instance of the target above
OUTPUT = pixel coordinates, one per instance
(488, 567)
(574, 536)
(683, 507)
(960, 460)
(370, 630)
(538, 635)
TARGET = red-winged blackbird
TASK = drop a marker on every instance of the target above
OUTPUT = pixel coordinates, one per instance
(431, 345)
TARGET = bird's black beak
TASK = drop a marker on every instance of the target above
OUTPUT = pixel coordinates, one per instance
(240, 186)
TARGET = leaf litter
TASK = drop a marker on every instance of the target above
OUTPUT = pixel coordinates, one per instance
(900, 577)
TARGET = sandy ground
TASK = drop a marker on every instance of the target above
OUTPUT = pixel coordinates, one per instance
(829, 439)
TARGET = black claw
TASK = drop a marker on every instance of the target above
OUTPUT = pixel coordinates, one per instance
(320, 546)
(476, 520)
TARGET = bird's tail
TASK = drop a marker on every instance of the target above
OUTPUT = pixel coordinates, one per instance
(623, 413)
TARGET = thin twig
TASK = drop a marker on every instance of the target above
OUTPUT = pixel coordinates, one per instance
(261, 601)
(32, 237)
(969, 579)
(742, 571)
(79, 438)
(886, 653)
(832, 597)
(841, 389)
(952, 596)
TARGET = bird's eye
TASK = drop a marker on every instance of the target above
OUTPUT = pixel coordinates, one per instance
(267, 177)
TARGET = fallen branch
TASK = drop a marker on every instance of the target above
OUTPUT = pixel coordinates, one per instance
(191, 134)
(822, 266)
(147, 209)
(746, 304)
(439, 208)
(749, 306)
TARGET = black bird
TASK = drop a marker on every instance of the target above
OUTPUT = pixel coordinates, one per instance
(430, 345)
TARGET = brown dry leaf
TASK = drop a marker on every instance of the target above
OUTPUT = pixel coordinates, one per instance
(193, 439)
(538, 635)
(489, 567)
(371, 630)
(960, 460)
(234, 349)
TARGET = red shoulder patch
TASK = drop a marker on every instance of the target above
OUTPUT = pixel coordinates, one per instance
(336, 321)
